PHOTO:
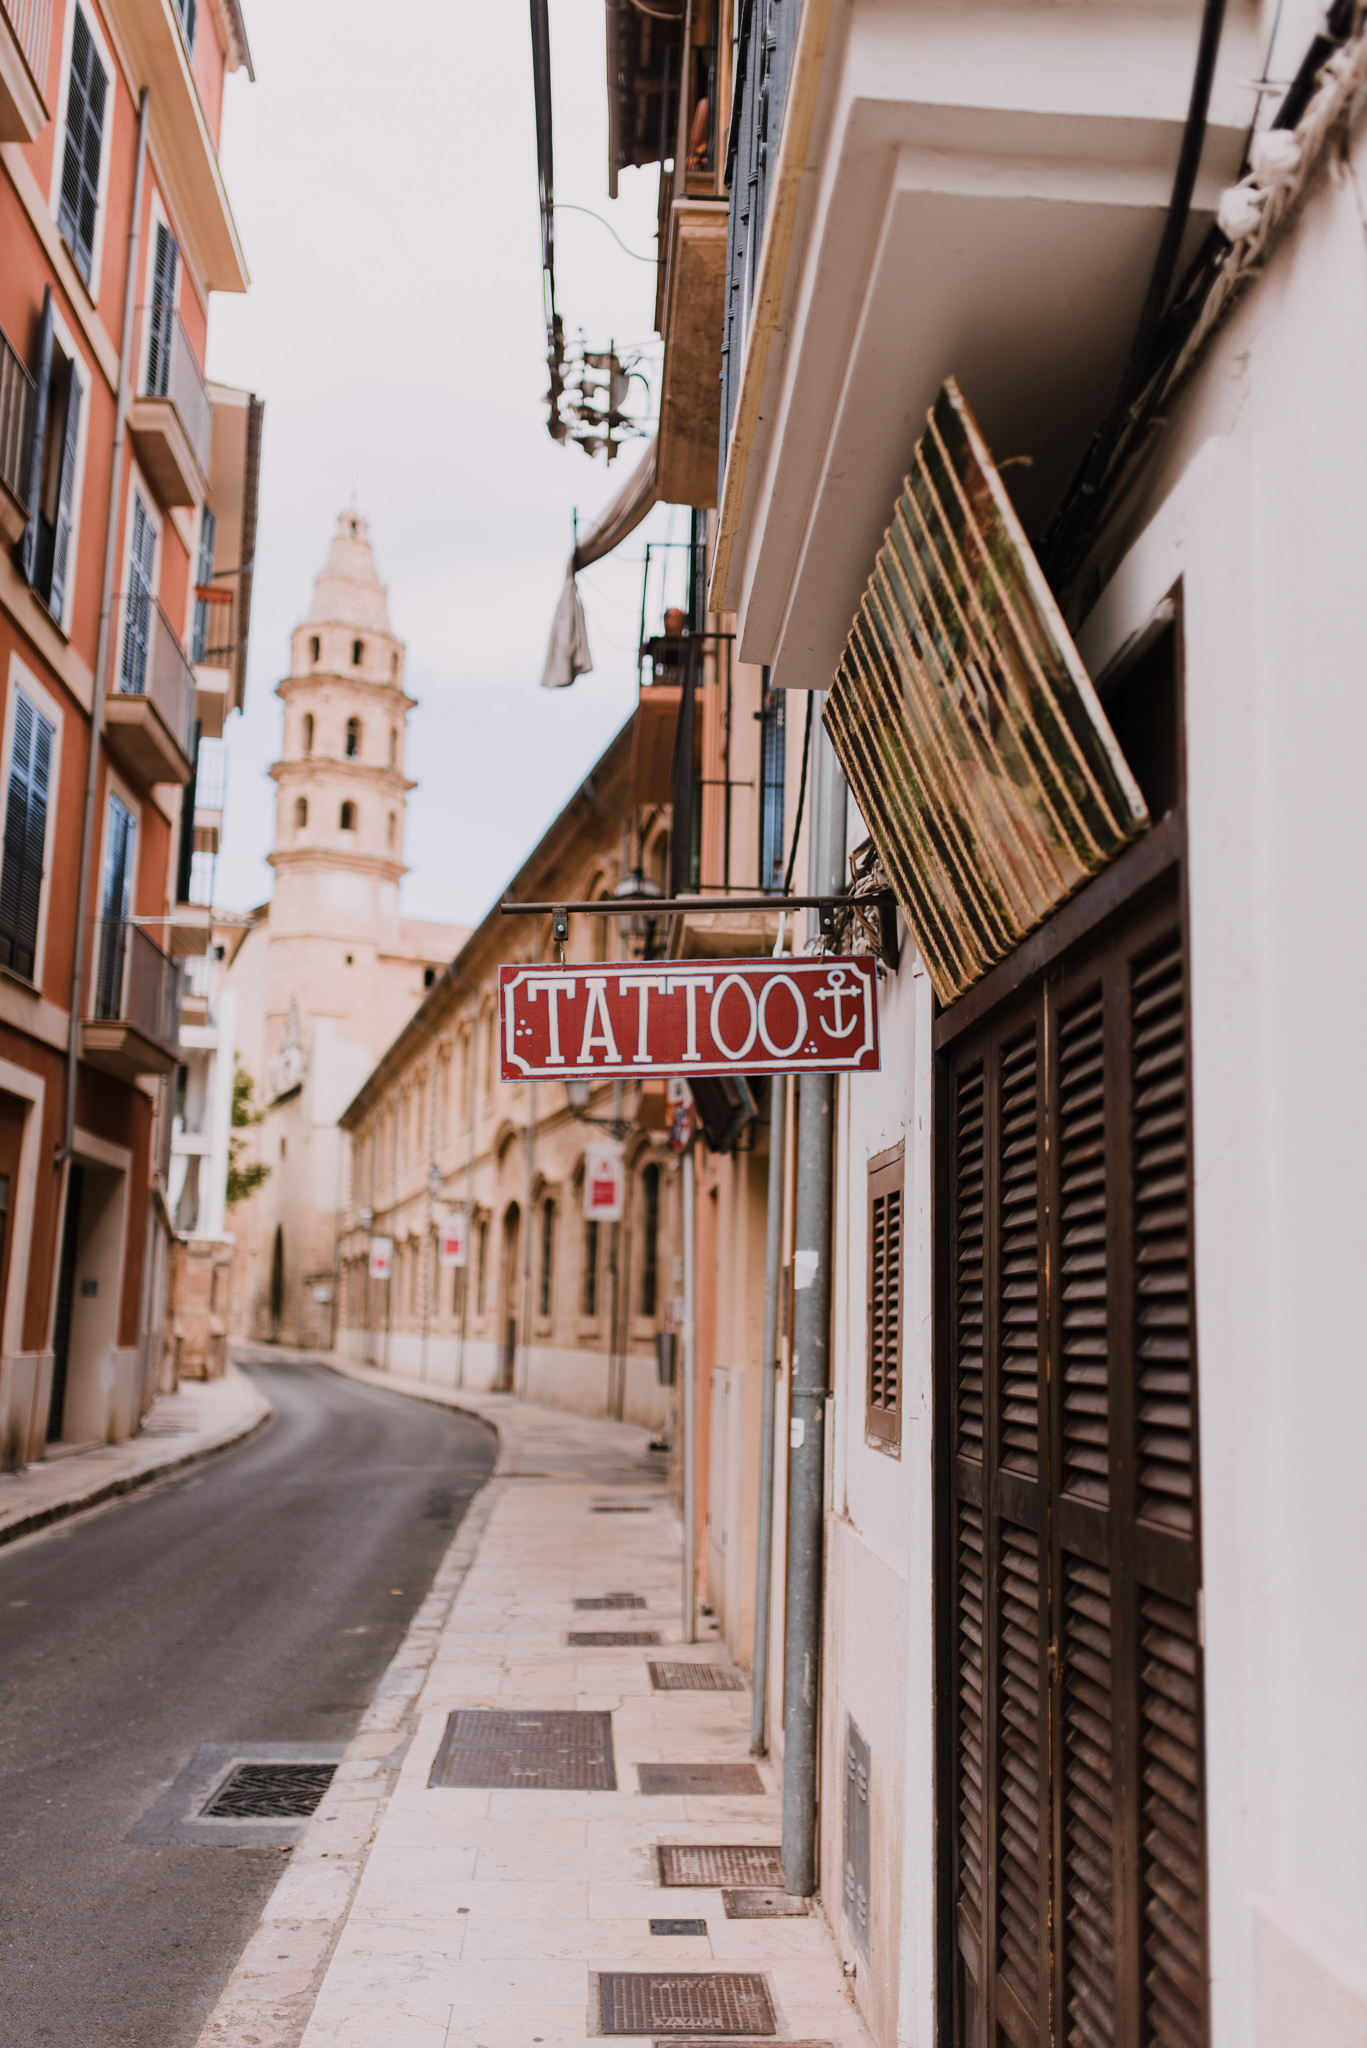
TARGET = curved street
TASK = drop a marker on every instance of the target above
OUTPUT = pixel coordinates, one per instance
(256, 1597)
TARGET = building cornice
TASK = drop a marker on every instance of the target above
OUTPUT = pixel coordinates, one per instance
(374, 772)
(382, 864)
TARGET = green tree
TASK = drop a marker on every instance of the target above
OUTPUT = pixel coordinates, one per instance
(243, 1180)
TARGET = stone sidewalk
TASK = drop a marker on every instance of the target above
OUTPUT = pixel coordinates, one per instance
(422, 1917)
(201, 1417)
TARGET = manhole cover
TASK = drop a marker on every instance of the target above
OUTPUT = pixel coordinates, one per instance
(766, 1904)
(607, 1638)
(719, 2002)
(678, 1927)
(707, 1779)
(606, 1600)
(694, 1678)
(712, 1863)
(553, 1752)
(271, 1792)
(618, 1507)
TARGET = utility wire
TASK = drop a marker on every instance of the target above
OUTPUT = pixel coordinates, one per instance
(801, 793)
(563, 206)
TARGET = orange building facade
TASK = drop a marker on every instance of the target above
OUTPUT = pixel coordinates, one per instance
(128, 514)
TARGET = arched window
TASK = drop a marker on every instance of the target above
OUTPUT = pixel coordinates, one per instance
(391, 827)
(357, 650)
(348, 817)
(547, 1256)
(394, 662)
(393, 746)
(301, 813)
(308, 732)
(315, 647)
(353, 738)
(650, 1247)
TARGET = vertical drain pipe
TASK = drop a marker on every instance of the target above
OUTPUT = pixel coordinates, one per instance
(690, 1405)
(773, 1275)
(111, 557)
(811, 1349)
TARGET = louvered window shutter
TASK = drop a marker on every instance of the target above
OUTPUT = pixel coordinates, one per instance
(43, 378)
(66, 498)
(1076, 1807)
(21, 869)
(137, 623)
(165, 275)
(87, 91)
(886, 1231)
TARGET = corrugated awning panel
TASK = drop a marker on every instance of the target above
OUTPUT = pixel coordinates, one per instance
(965, 721)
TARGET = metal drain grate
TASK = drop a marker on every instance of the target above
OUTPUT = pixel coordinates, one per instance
(711, 1863)
(606, 1600)
(694, 1678)
(715, 1780)
(271, 1792)
(717, 2002)
(678, 1927)
(769, 1904)
(609, 1638)
(552, 1752)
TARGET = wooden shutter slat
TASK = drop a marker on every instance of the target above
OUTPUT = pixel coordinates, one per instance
(1019, 1752)
(1082, 1239)
(968, 1262)
(883, 1407)
(1019, 1256)
(970, 1689)
(1162, 1240)
(1087, 1744)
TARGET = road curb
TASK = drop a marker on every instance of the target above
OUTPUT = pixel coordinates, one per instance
(129, 1482)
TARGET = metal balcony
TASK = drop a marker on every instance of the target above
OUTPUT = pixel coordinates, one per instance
(134, 1027)
(25, 26)
(149, 710)
(172, 417)
(16, 435)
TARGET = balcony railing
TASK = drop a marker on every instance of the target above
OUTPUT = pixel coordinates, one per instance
(135, 982)
(170, 371)
(31, 21)
(149, 661)
(212, 643)
(16, 421)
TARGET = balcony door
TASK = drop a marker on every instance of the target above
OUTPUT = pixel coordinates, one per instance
(162, 311)
(137, 624)
(115, 898)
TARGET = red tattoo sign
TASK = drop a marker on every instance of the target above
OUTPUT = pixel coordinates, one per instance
(689, 1017)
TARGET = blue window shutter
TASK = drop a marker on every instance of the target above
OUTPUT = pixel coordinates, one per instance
(66, 492)
(43, 375)
(21, 871)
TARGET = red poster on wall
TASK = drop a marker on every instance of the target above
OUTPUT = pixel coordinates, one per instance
(644, 1019)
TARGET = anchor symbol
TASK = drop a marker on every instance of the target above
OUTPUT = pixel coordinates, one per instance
(837, 993)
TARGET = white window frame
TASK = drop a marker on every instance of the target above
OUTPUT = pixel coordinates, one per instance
(22, 678)
(81, 371)
(158, 218)
(115, 76)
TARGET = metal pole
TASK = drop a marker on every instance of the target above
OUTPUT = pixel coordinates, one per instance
(690, 1406)
(527, 1247)
(811, 1348)
(111, 556)
(773, 1277)
(469, 1195)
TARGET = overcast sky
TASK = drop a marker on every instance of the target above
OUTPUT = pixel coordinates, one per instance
(384, 186)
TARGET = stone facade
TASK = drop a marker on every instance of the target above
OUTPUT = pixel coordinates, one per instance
(328, 972)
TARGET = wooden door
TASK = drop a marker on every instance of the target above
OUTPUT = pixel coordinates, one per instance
(1075, 1808)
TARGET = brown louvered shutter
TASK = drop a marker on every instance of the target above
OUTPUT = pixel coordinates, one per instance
(883, 1407)
(1076, 1807)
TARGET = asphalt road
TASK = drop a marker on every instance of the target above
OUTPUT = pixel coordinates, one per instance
(251, 1598)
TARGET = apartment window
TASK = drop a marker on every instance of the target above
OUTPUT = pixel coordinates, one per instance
(772, 740)
(883, 1400)
(301, 813)
(115, 897)
(348, 817)
(21, 875)
(87, 96)
(315, 647)
(591, 1266)
(161, 314)
(357, 650)
(137, 622)
(52, 469)
(308, 732)
(186, 10)
(547, 1256)
(204, 576)
(393, 746)
(353, 738)
(650, 1248)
